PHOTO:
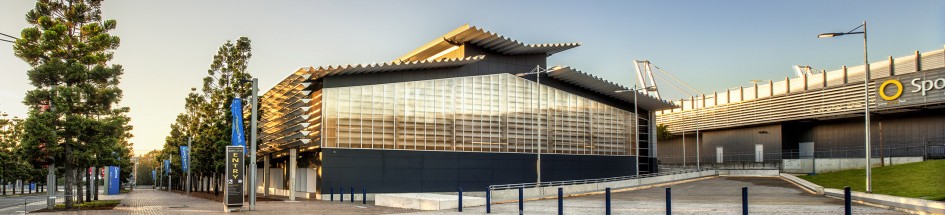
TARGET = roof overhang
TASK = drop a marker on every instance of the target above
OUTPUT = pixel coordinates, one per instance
(315, 73)
(485, 39)
(599, 85)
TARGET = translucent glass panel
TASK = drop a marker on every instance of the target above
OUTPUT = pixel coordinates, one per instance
(491, 113)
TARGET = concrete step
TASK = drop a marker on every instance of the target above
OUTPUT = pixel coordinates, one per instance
(425, 201)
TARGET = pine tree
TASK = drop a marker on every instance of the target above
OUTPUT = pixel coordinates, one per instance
(72, 108)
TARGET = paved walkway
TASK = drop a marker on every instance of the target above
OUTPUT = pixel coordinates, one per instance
(719, 195)
(148, 201)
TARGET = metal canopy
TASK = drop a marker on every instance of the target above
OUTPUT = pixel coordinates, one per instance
(485, 39)
(391, 66)
(599, 85)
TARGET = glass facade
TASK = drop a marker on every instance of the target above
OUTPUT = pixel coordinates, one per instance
(490, 113)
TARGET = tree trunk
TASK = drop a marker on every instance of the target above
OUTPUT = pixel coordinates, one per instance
(88, 189)
(14, 187)
(96, 173)
(79, 193)
(69, 177)
(216, 184)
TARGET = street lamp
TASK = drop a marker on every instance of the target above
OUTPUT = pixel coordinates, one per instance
(866, 96)
(537, 72)
(252, 142)
(636, 119)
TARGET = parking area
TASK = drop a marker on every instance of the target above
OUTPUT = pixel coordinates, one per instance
(716, 195)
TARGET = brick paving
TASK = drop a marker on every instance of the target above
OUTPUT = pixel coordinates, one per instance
(148, 201)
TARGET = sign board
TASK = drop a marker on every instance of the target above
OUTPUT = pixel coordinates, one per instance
(911, 89)
(234, 177)
(113, 180)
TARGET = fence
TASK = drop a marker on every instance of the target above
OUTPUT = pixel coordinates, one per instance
(588, 181)
(933, 148)
(38, 202)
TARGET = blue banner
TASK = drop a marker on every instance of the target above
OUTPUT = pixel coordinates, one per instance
(167, 166)
(184, 158)
(236, 109)
(153, 176)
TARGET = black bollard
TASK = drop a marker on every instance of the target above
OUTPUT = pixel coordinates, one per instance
(846, 201)
(607, 201)
(488, 200)
(521, 201)
(560, 201)
(364, 195)
(332, 194)
(745, 200)
(669, 201)
(352, 194)
(460, 206)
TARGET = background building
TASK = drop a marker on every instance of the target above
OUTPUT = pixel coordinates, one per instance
(456, 112)
(784, 124)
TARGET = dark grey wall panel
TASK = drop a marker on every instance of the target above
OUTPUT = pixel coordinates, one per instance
(733, 141)
(900, 130)
(391, 171)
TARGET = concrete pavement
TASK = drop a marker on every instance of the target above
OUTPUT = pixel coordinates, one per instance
(717, 195)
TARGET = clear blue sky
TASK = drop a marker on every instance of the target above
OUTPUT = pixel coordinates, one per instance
(167, 45)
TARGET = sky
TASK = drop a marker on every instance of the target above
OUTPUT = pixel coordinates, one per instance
(167, 46)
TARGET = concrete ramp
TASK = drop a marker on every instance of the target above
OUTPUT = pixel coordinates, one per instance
(425, 201)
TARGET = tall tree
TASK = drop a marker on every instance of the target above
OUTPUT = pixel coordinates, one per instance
(222, 84)
(11, 131)
(76, 89)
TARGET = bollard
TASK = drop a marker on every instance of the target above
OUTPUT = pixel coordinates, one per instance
(560, 201)
(460, 206)
(607, 201)
(341, 194)
(846, 201)
(521, 201)
(332, 194)
(352, 194)
(488, 200)
(669, 201)
(745, 200)
(364, 195)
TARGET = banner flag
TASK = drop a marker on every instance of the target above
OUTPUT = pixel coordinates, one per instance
(167, 166)
(184, 157)
(236, 109)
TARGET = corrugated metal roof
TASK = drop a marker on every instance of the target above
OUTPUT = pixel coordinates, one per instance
(599, 85)
(391, 66)
(486, 39)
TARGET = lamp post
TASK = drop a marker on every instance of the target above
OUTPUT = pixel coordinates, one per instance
(252, 142)
(636, 119)
(866, 96)
(537, 72)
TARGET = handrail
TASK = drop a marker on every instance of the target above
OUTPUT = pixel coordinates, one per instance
(589, 181)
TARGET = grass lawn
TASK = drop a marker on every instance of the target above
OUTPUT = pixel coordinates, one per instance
(925, 180)
(93, 205)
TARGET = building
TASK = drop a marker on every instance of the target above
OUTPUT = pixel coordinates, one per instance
(456, 112)
(785, 124)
